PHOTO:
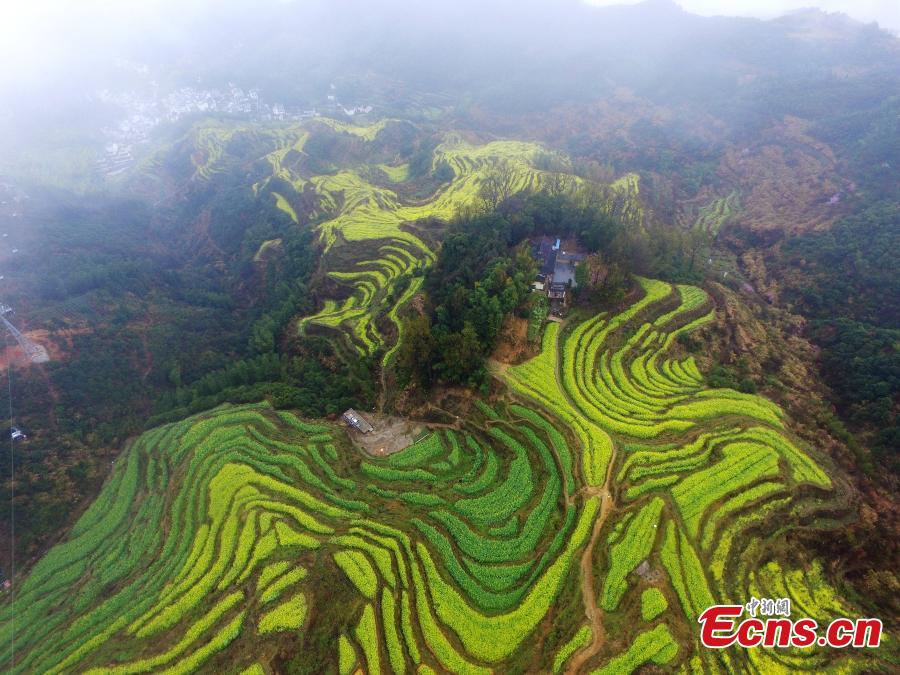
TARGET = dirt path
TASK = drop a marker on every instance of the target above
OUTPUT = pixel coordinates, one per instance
(592, 611)
(588, 596)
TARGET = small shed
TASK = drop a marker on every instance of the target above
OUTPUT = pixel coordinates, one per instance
(357, 421)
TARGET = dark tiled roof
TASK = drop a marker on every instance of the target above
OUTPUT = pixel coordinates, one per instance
(549, 263)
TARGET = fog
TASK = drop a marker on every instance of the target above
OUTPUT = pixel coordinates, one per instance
(885, 12)
(46, 39)
(58, 55)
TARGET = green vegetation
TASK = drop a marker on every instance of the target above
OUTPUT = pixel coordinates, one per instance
(653, 603)
(366, 634)
(151, 331)
(346, 656)
(854, 320)
(243, 514)
(628, 551)
(580, 640)
(609, 454)
(287, 616)
(483, 272)
(540, 308)
(466, 542)
(653, 646)
(711, 217)
(705, 466)
(475, 284)
(357, 568)
(358, 211)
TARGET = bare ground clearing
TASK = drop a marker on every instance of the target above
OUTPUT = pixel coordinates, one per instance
(391, 435)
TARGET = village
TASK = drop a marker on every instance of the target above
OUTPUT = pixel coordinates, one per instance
(143, 111)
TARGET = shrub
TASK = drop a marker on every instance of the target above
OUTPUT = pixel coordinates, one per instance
(653, 603)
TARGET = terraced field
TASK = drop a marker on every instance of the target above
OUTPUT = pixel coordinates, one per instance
(373, 253)
(362, 212)
(711, 217)
(213, 536)
(582, 531)
(698, 484)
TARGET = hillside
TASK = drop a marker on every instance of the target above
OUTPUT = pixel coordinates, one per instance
(238, 234)
(219, 531)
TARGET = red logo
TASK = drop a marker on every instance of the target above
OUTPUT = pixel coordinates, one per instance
(720, 628)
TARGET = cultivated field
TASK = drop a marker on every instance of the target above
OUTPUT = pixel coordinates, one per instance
(582, 525)
(711, 217)
(365, 216)
(368, 215)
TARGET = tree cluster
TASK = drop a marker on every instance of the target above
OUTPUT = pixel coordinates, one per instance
(477, 281)
(847, 282)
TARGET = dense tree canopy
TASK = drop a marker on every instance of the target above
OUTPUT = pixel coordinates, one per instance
(475, 283)
(846, 280)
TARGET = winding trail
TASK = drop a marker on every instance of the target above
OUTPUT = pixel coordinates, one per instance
(588, 595)
(592, 610)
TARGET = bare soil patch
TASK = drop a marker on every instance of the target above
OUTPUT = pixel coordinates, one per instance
(57, 343)
(392, 434)
(513, 342)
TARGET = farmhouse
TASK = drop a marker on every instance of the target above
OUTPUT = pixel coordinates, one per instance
(564, 267)
(556, 275)
(355, 420)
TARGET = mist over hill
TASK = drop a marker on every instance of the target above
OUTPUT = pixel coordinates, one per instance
(508, 56)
